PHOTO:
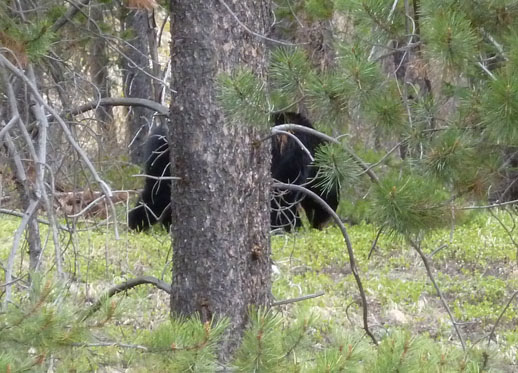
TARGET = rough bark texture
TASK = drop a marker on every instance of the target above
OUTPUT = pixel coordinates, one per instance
(136, 82)
(99, 64)
(220, 205)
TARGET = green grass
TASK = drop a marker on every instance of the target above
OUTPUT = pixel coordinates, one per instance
(476, 269)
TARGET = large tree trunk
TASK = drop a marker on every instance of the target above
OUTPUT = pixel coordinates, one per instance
(220, 210)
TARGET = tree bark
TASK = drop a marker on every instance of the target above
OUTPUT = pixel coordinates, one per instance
(137, 81)
(99, 63)
(221, 204)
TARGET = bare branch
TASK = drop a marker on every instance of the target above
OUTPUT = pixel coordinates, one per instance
(492, 332)
(110, 344)
(7, 126)
(499, 204)
(299, 299)
(40, 160)
(508, 231)
(70, 13)
(119, 101)
(41, 221)
(157, 177)
(276, 131)
(126, 286)
(352, 260)
(34, 90)
(375, 242)
(428, 268)
(323, 136)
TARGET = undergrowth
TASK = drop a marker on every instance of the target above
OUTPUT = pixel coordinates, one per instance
(474, 264)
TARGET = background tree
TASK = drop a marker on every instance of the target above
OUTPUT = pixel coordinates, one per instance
(99, 70)
(138, 25)
(434, 80)
(221, 253)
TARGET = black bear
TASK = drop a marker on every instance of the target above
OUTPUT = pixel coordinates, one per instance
(290, 164)
(154, 203)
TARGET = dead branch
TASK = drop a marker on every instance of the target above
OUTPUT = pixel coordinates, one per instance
(428, 268)
(118, 101)
(366, 168)
(375, 242)
(75, 204)
(41, 221)
(157, 177)
(275, 131)
(7, 126)
(70, 13)
(499, 204)
(508, 231)
(299, 299)
(40, 158)
(492, 332)
(68, 134)
(126, 286)
(352, 260)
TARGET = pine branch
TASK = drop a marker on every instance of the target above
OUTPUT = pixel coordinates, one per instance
(70, 13)
(323, 136)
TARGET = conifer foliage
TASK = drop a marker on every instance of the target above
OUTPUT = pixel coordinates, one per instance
(420, 97)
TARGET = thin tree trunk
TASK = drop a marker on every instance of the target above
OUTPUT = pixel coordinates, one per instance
(137, 80)
(220, 210)
(99, 64)
(16, 105)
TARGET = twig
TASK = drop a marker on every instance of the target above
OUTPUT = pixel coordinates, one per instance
(507, 230)
(500, 204)
(375, 242)
(41, 221)
(276, 131)
(492, 332)
(157, 177)
(31, 210)
(87, 207)
(426, 263)
(486, 70)
(34, 90)
(118, 101)
(126, 286)
(70, 13)
(444, 245)
(394, 148)
(348, 244)
(323, 136)
(299, 299)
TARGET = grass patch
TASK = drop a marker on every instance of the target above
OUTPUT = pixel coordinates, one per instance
(475, 268)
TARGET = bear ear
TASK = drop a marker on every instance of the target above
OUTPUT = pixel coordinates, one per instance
(290, 117)
(278, 118)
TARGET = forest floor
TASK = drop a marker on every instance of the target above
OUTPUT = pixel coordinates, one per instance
(474, 264)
